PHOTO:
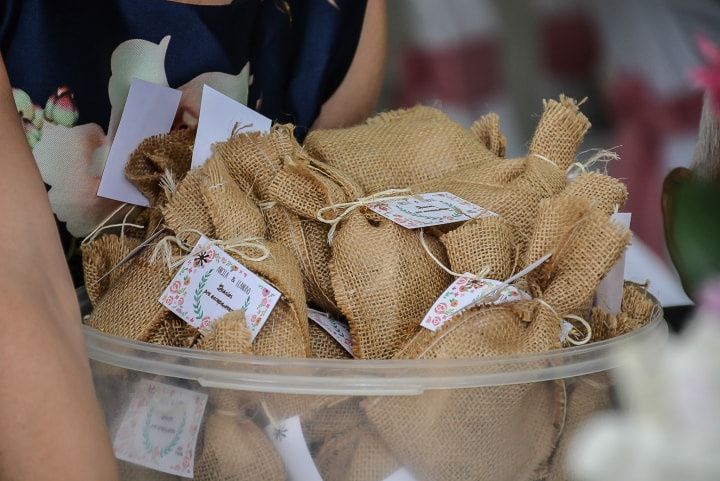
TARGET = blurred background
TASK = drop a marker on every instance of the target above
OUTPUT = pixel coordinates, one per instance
(633, 59)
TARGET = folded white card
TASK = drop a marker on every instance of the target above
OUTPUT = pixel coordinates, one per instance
(149, 110)
(609, 292)
(219, 114)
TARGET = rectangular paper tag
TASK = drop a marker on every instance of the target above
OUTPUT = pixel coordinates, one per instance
(149, 110)
(464, 293)
(210, 284)
(218, 116)
(160, 428)
(289, 441)
(337, 329)
(426, 210)
(609, 293)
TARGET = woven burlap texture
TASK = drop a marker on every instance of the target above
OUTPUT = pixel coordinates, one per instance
(560, 131)
(605, 193)
(636, 310)
(157, 157)
(232, 450)
(384, 282)
(99, 258)
(332, 416)
(356, 455)
(324, 346)
(173, 331)
(398, 149)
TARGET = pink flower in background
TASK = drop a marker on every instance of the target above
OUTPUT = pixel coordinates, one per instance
(708, 77)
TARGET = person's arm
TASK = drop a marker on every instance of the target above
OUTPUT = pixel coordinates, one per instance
(355, 98)
(51, 427)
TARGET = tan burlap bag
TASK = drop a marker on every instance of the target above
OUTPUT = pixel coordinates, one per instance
(384, 282)
(173, 331)
(487, 130)
(356, 455)
(236, 450)
(636, 311)
(332, 416)
(99, 258)
(398, 149)
(483, 245)
(229, 334)
(605, 193)
(560, 132)
(587, 395)
(324, 346)
(186, 207)
(162, 156)
(133, 472)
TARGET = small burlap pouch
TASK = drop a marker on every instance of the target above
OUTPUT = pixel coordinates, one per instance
(173, 331)
(133, 472)
(560, 132)
(586, 396)
(485, 245)
(487, 130)
(235, 449)
(99, 258)
(229, 334)
(605, 193)
(356, 455)
(332, 416)
(637, 309)
(384, 282)
(324, 346)
(186, 207)
(130, 307)
(165, 156)
(398, 149)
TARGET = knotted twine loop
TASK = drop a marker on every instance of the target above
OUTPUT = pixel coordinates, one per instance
(473, 277)
(163, 249)
(102, 226)
(575, 331)
(349, 207)
(603, 156)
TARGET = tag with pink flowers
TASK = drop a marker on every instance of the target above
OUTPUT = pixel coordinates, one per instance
(425, 210)
(210, 284)
(465, 292)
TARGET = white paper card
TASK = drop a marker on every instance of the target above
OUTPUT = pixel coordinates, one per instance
(149, 110)
(210, 284)
(337, 329)
(218, 116)
(160, 428)
(401, 474)
(425, 210)
(565, 330)
(464, 293)
(609, 293)
(289, 442)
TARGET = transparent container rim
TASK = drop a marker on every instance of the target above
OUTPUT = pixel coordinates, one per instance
(365, 377)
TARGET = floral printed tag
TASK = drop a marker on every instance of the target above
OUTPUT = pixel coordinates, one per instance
(337, 329)
(160, 428)
(425, 210)
(210, 284)
(465, 292)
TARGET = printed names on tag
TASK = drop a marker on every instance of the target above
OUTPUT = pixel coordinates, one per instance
(609, 292)
(289, 441)
(210, 284)
(338, 330)
(465, 292)
(426, 210)
(160, 428)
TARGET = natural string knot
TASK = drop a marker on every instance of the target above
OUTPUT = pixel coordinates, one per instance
(601, 156)
(164, 248)
(575, 331)
(347, 208)
(104, 225)
(473, 277)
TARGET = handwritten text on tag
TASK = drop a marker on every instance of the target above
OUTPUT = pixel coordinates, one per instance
(160, 428)
(210, 284)
(426, 210)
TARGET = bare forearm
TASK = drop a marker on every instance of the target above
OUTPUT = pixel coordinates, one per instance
(51, 425)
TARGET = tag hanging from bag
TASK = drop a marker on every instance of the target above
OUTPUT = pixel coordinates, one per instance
(210, 284)
(337, 329)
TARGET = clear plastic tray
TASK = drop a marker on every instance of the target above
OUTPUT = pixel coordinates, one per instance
(504, 418)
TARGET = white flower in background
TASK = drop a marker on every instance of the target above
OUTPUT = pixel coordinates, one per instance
(670, 427)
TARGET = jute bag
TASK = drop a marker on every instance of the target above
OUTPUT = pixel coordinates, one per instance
(332, 416)
(234, 449)
(174, 332)
(291, 187)
(162, 156)
(605, 193)
(356, 455)
(99, 257)
(324, 346)
(384, 282)
(636, 310)
(398, 149)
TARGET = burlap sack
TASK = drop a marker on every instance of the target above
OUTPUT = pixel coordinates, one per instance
(332, 416)
(229, 334)
(636, 311)
(481, 244)
(99, 258)
(605, 193)
(232, 450)
(133, 472)
(130, 307)
(399, 149)
(356, 455)
(186, 207)
(487, 130)
(587, 395)
(165, 155)
(174, 332)
(560, 132)
(324, 346)
(384, 282)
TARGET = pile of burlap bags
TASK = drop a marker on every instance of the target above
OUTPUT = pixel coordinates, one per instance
(307, 205)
